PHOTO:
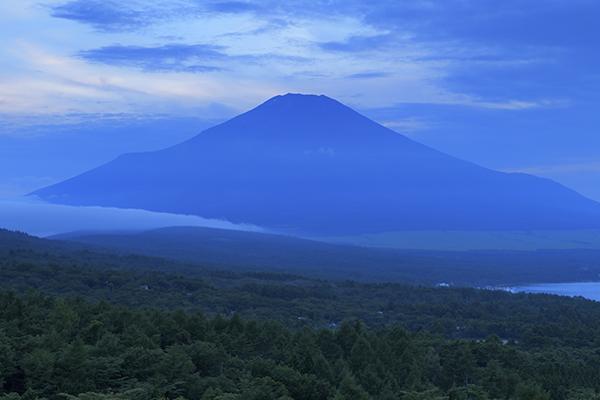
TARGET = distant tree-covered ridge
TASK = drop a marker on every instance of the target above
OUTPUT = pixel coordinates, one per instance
(297, 301)
(194, 251)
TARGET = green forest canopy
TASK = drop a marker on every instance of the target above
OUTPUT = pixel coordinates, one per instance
(76, 324)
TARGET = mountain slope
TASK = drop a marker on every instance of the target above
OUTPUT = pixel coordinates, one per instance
(309, 165)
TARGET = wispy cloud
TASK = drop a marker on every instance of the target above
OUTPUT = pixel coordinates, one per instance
(105, 16)
(501, 52)
(593, 166)
(407, 125)
(507, 23)
(110, 16)
(368, 75)
(166, 58)
(508, 105)
(234, 7)
(43, 219)
(511, 22)
(360, 44)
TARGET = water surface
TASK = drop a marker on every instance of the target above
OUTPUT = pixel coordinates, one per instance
(589, 290)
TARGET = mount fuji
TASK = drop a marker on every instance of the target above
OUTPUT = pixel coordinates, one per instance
(307, 165)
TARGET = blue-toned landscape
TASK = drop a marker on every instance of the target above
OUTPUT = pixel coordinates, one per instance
(231, 200)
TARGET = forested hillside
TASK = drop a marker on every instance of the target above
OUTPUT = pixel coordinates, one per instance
(77, 324)
(98, 350)
(236, 250)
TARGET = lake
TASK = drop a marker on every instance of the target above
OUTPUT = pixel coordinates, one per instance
(589, 290)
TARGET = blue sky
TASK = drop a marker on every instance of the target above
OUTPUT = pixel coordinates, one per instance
(511, 85)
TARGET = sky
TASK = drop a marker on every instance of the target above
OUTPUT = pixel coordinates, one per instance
(510, 85)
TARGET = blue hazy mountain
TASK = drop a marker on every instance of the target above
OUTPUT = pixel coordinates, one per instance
(308, 165)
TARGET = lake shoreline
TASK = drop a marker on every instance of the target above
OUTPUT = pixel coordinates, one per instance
(588, 290)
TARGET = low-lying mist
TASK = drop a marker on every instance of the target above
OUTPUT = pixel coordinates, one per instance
(39, 218)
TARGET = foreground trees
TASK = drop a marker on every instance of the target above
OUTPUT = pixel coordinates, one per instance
(69, 349)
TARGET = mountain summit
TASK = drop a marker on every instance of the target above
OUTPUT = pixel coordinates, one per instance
(308, 165)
